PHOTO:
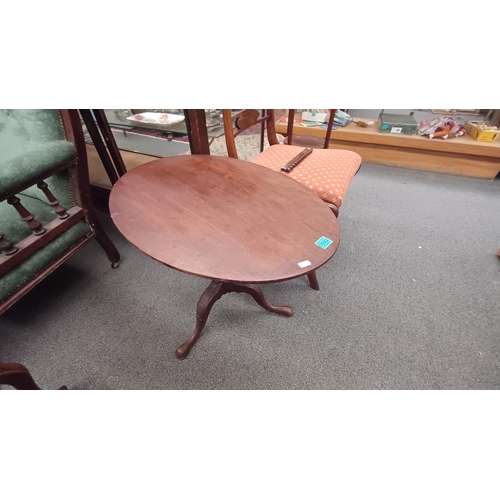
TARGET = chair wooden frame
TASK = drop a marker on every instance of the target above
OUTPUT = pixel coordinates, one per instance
(249, 117)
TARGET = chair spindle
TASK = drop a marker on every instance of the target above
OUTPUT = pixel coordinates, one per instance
(53, 201)
(35, 226)
(6, 246)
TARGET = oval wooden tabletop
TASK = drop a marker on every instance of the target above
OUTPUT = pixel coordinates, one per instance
(223, 219)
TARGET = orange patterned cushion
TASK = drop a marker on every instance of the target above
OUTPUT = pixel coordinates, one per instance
(327, 172)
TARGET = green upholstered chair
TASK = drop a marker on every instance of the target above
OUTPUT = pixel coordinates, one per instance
(46, 212)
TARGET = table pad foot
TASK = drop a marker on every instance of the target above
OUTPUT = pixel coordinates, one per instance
(211, 295)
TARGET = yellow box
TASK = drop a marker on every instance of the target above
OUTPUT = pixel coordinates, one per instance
(481, 135)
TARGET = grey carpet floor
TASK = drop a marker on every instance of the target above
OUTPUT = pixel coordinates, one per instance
(411, 300)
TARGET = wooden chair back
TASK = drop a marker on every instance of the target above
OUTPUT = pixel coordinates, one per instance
(246, 118)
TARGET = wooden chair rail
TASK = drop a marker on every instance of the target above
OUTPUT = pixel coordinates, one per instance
(256, 122)
(243, 120)
(32, 243)
(18, 294)
(289, 128)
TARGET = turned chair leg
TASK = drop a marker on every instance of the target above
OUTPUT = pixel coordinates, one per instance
(334, 209)
(103, 239)
(19, 377)
(109, 247)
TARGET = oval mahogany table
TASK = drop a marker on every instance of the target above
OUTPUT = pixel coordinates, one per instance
(236, 223)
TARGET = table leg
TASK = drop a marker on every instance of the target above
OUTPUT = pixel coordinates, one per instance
(211, 295)
(208, 298)
(313, 280)
(18, 376)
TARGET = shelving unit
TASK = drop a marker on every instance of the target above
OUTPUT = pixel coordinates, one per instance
(459, 156)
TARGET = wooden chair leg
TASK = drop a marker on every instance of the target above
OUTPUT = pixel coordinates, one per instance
(333, 208)
(109, 247)
(103, 239)
(18, 376)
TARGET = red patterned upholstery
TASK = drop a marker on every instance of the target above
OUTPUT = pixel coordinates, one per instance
(327, 172)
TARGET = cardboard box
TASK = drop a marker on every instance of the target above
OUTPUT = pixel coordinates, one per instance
(481, 135)
(397, 124)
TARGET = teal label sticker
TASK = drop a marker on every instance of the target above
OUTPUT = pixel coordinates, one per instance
(324, 242)
(385, 126)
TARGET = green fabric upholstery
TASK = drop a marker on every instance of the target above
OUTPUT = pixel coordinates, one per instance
(32, 142)
(29, 166)
(22, 130)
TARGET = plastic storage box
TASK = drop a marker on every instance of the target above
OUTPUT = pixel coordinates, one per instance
(397, 124)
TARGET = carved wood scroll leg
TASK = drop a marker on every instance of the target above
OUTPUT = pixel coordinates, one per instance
(211, 295)
(208, 298)
(313, 280)
(18, 376)
(256, 292)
